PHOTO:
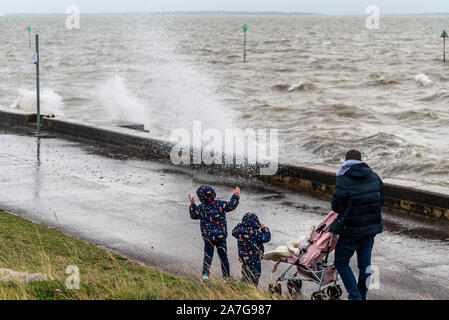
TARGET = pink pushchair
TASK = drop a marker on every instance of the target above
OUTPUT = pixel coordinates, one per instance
(312, 264)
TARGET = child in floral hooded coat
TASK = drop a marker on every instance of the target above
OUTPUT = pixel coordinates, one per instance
(212, 214)
(251, 235)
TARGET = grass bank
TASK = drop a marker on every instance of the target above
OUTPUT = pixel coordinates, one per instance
(33, 248)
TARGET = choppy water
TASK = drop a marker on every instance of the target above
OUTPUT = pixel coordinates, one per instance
(327, 83)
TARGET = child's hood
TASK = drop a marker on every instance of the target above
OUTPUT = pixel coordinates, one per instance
(251, 220)
(206, 194)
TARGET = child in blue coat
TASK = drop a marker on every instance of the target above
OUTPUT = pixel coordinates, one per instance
(212, 214)
(251, 234)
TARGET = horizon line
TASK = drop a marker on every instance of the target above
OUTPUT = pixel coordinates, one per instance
(226, 12)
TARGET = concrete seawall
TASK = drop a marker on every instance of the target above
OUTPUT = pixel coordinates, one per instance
(415, 197)
(410, 196)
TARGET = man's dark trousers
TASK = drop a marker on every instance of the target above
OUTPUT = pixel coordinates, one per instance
(346, 246)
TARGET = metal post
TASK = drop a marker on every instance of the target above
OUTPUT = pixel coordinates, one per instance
(444, 35)
(244, 45)
(36, 61)
(444, 49)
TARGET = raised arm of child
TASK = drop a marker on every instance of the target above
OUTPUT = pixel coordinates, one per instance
(194, 211)
(263, 234)
(231, 205)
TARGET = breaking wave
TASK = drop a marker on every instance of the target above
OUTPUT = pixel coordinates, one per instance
(51, 103)
(303, 85)
(120, 103)
(423, 80)
(386, 80)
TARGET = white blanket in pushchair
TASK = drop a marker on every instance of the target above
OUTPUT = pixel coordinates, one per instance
(293, 247)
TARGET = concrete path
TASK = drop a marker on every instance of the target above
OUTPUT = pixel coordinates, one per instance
(139, 209)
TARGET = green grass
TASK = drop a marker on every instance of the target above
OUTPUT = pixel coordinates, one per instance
(33, 248)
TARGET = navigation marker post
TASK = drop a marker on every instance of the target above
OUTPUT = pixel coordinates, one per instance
(245, 28)
(444, 36)
(36, 62)
(29, 36)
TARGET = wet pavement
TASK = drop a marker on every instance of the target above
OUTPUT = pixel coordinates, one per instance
(139, 208)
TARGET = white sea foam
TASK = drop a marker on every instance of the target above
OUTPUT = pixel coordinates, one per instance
(311, 60)
(50, 102)
(120, 103)
(423, 80)
(303, 85)
(185, 92)
(386, 80)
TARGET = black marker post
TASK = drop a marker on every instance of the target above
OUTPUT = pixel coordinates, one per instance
(36, 62)
(444, 36)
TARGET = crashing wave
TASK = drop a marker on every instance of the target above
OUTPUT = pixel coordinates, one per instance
(303, 85)
(385, 80)
(423, 80)
(51, 103)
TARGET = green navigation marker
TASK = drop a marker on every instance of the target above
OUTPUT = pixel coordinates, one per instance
(245, 27)
(444, 36)
(29, 36)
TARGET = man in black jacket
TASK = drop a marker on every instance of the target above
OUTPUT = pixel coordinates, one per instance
(358, 198)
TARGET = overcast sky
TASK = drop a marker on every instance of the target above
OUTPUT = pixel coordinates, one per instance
(317, 6)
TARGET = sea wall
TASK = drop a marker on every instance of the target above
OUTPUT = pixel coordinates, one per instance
(410, 196)
(318, 180)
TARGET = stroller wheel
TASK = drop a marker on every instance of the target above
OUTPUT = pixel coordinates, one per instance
(294, 286)
(319, 295)
(334, 291)
(275, 289)
(340, 291)
(271, 289)
(278, 289)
